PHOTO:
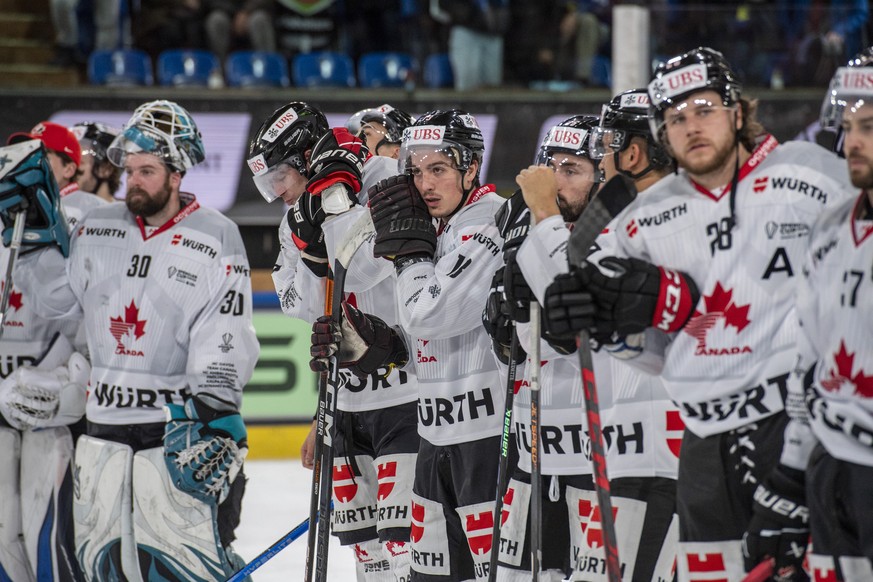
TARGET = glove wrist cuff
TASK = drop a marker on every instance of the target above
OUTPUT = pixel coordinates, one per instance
(406, 261)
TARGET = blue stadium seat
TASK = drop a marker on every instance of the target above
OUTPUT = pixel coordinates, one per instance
(120, 67)
(256, 69)
(324, 69)
(380, 69)
(438, 71)
(187, 67)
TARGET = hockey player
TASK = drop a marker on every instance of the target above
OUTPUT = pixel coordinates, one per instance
(713, 253)
(97, 174)
(44, 388)
(837, 339)
(375, 436)
(442, 277)
(380, 128)
(163, 286)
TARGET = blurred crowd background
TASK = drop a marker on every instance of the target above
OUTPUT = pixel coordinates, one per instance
(462, 44)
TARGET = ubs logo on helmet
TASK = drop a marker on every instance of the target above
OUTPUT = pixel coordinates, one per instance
(275, 130)
(424, 134)
(567, 137)
(257, 165)
(854, 78)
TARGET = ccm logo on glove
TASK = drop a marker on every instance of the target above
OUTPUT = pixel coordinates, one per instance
(675, 301)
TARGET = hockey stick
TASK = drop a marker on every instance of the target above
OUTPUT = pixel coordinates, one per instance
(762, 572)
(503, 466)
(322, 435)
(536, 500)
(358, 233)
(609, 201)
(14, 246)
(267, 554)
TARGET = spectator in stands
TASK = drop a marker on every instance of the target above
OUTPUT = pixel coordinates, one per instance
(583, 29)
(232, 24)
(166, 24)
(475, 40)
(63, 13)
(306, 27)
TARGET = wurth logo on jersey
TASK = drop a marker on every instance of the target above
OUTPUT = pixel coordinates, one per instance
(760, 184)
(720, 308)
(115, 395)
(460, 408)
(843, 380)
(344, 486)
(420, 356)
(631, 228)
(95, 231)
(801, 187)
(238, 269)
(663, 217)
(386, 475)
(127, 328)
(482, 239)
(417, 526)
(675, 427)
(591, 522)
(185, 242)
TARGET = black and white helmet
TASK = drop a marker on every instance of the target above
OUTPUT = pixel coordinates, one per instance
(571, 136)
(452, 132)
(393, 120)
(282, 142)
(850, 89)
(677, 79)
(625, 116)
(95, 138)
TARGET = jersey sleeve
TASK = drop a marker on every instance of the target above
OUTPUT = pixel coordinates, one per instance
(223, 346)
(300, 291)
(365, 270)
(446, 298)
(44, 278)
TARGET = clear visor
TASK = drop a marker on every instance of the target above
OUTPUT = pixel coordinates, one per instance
(277, 180)
(136, 140)
(697, 110)
(356, 122)
(850, 90)
(416, 159)
(604, 141)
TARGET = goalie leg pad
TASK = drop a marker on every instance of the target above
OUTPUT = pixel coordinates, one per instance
(47, 503)
(14, 564)
(102, 510)
(174, 531)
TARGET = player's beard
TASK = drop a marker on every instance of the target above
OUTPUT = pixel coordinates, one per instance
(571, 210)
(862, 178)
(723, 154)
(140, 203)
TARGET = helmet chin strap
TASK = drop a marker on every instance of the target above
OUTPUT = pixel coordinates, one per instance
(732, 219)
(465, 194)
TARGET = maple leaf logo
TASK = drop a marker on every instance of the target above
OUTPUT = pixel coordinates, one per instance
(862, 384)
(14, 296)
(129, 325)
(719, 305)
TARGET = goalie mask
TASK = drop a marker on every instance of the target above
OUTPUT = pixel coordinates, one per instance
(681, 77)
(26, 179)
(161, 128)
(281, 143)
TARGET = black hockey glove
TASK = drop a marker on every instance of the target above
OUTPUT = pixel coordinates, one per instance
(337, 159)
(518, 293)
(640, 295)
(497, 322)
(305, 219)
(365, 344)
(780, 525)
(513, 221)
(568, 307)
(404, 227)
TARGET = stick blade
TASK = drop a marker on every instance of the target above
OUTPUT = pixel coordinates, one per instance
(608, 202)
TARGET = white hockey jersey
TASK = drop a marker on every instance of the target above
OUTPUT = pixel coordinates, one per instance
(26, 335)
(834, 306)
(642, 428)
(730, 364)
(301, 296)
(167, 311)
(461, 392)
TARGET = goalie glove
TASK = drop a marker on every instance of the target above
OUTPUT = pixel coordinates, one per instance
(33, 398)
(404, 227)
(305, 219)
(337, 162)
(365, 344)
(204, 449)
(779, 528)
